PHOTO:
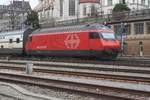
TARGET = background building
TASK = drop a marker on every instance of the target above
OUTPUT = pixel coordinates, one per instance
(66, 9)
(108, 5)
(50, 10)
(12, 16)
(4, 17)
(136, 37)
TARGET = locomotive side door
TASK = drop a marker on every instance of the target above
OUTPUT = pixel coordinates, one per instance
(94, 41)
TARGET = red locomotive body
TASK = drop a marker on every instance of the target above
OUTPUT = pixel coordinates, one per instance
(85, 40)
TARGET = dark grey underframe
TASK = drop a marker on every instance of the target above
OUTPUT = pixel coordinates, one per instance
(11, 51)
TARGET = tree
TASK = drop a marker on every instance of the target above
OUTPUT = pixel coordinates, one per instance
(32, 19)
(119, 11)
(121, 7)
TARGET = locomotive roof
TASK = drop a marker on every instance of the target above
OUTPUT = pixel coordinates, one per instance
(16, 32)
(70, 28)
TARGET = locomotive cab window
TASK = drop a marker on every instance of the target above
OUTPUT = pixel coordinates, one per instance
(94, 35)
(10, 40)
(17, 40)
(2, 37)
(2, 46)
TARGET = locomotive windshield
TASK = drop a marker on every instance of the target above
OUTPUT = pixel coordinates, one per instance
(108, 35)
(104, 35)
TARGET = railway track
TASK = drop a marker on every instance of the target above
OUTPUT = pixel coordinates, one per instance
(120, 61)
(131, 75)
(86, 70)
(115, 93)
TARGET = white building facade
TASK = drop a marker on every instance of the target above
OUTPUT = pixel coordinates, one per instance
(67, 9)
(108, 5)
(72, 9)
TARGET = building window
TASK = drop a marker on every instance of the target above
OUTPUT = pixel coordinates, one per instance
(61, 7)
(109, 2)
(109, 11)
(84, 10)
(71, 7)
(93, 10)
(148, 27)
(10, 40)
(139, 28)
(122, 1)
(128, 29)
(17, 40)
(48, 14)
(149, 3)
(143, 2)
(2, 37)
(41, 15)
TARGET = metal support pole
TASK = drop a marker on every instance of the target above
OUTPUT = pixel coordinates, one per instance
(78, 4)
(137, 4)
(29, 68)
(101, 7)
(122, 39)
(22, 14)
(53, 20)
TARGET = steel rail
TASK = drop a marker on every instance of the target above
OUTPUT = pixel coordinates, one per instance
(118, 62)
(82, 66)
(89, 89)
(82, 73)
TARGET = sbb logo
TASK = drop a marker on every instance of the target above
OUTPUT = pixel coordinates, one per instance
(72, 41)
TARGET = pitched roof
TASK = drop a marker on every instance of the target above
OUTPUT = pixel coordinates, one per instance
(46, 4)
(24, 5)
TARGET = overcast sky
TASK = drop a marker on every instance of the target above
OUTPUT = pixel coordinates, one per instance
(33, 3)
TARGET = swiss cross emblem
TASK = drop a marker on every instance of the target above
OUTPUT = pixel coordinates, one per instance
(72, 41)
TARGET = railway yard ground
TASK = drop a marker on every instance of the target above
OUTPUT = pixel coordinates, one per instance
(127, 78)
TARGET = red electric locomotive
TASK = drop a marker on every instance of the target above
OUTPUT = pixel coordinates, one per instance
(94, 40)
